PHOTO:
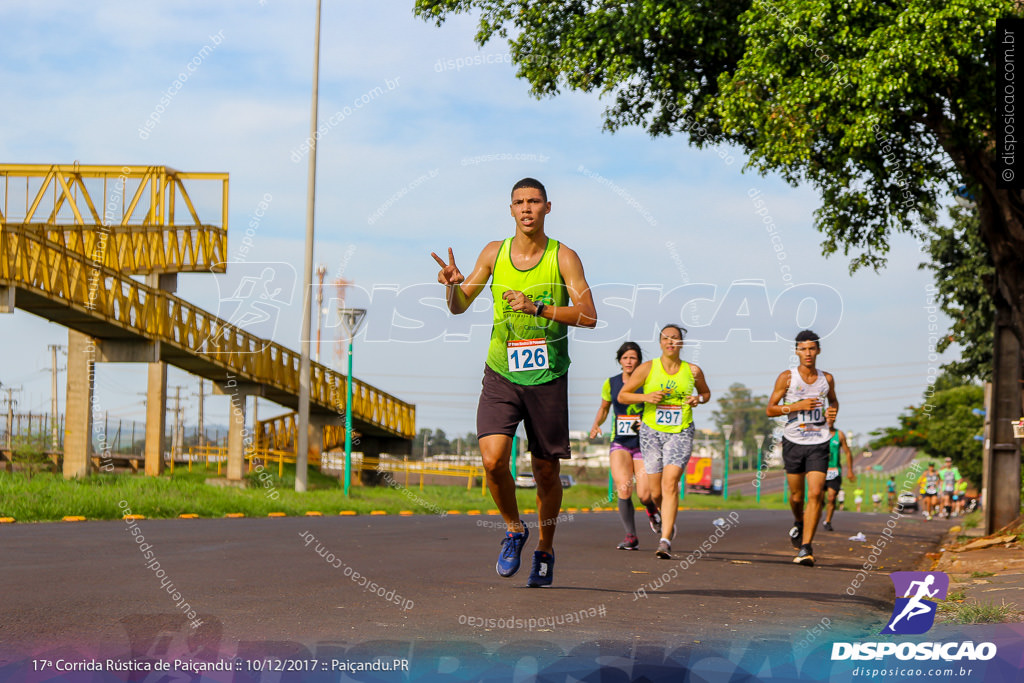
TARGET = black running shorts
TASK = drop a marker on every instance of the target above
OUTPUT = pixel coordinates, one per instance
(543, 408)
(801, 458)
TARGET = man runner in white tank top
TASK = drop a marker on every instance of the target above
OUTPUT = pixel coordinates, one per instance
(806, 398)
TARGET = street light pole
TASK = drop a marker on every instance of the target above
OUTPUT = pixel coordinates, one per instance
(321, 271)
(352, 320)
(515, 456)
(302, 438)
(725, 477)
(759, 438)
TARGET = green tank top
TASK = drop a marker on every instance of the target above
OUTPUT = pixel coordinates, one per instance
(528, 349)
(833, 451)
(672, 415)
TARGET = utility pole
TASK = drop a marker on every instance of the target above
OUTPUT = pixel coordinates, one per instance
(254, 440)
(54, 438)
(10, 415)
(302, 441)
(176, 437)
(321, 271)
(1002, 476)
(202, 424)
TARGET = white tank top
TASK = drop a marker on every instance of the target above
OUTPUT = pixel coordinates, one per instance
(806, 426)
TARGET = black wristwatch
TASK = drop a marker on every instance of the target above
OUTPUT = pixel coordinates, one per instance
(540, 309)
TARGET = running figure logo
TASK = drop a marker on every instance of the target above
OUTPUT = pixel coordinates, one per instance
(258, 294)
(914, 612)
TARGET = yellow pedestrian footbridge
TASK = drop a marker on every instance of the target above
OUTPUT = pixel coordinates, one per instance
(73, 241)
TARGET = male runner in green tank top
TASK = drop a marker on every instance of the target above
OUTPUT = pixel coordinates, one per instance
(539, 289)
(834, 475)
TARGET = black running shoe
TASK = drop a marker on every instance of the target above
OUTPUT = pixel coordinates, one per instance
(805, 556)
(664, 550)
(796, 535)
(655, 520)
(543, 569)
(828, 526)
(630, 543)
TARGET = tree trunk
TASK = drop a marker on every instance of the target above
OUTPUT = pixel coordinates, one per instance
(1003, 470)
(1002, 226)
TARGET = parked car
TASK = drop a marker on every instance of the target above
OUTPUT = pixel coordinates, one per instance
(907, 500)
(567, 480)
(526, 481)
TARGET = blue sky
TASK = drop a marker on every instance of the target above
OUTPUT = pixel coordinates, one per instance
(425, 161)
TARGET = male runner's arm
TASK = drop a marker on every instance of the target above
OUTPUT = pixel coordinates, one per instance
(833, 402)
(628, 393)
(845, 447)
(779, 393)
(461, 291)
(581, 313)
(703, 394)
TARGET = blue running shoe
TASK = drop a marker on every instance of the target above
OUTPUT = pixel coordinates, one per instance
(543, 569)
(511, 549)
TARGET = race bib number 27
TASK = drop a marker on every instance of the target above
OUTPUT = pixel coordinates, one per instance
(624, 425)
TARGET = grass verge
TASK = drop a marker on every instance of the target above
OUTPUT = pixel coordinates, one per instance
(956, 610)
(49, 497)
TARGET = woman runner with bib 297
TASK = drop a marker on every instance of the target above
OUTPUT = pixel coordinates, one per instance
(666, 427)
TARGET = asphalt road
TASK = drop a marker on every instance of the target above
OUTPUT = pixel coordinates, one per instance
(258, 587)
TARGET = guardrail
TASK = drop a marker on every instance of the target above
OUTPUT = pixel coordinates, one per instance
(422, 468)
(264, 455)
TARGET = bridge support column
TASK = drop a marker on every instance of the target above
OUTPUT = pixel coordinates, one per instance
(156, 418)
(371, 449)
(316, 435)
(237, 437)
(79, 407)
(156, 391)
(6, 298)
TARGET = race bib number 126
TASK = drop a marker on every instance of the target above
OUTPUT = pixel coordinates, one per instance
(527, 354)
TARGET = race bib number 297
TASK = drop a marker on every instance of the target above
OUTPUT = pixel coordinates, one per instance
(668, 416)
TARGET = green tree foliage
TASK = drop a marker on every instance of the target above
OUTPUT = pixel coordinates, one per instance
(963, 281)
(739, 407)
(440, 443)
(884, 106)
(911, 432)
(953, 427)
(943, 426)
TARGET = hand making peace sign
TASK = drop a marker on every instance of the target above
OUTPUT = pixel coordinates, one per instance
(449, 274)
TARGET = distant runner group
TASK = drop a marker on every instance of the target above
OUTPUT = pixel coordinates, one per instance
(539, 289)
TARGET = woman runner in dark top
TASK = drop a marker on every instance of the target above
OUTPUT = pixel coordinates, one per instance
(624, 452)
